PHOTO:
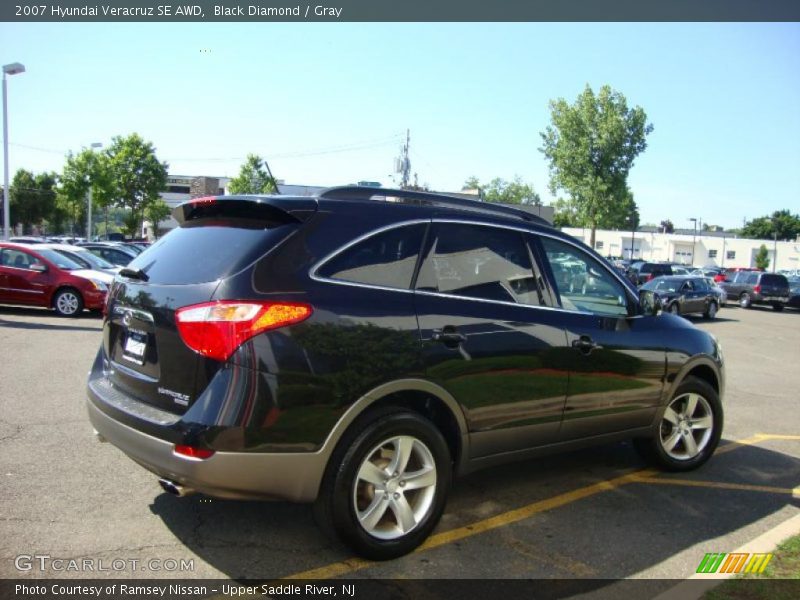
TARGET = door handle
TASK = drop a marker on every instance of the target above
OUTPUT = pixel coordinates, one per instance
(585, 344)
(448, 336)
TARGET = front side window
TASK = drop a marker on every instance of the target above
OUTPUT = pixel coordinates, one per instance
(474, 261)
(582, 284)
(386, 259)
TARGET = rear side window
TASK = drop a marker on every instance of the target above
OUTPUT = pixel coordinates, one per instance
(208, 249)
(386, 259)
(487, 263)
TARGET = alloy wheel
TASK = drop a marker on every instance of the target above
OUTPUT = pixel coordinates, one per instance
(67, 303)
(686, 427)
(394, 487)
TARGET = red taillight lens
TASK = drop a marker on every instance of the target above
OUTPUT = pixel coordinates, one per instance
(192, 452)
(757, 289)
(217, 329)
(649, 277)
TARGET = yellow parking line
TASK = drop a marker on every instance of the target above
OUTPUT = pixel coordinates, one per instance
(720, 485)
(513, 516)
(778, 436)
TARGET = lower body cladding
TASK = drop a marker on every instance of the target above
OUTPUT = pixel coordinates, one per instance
(293, 476)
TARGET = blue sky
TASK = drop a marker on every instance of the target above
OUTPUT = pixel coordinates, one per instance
(328, 104)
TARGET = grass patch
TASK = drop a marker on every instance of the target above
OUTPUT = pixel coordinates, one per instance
(779, 581)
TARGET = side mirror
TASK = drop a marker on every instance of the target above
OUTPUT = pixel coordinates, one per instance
(650, 303)
(39, 267)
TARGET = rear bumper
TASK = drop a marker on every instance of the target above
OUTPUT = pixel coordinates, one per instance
(240, 475)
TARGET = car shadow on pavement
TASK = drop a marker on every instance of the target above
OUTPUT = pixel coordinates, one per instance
(47, 319)
(46, 325)
(614, 533)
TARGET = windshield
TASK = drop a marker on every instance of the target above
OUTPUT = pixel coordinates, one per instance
(92, 261)
(61, 261)
(662, 285)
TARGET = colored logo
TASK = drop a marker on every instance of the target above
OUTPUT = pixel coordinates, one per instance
(736, 562)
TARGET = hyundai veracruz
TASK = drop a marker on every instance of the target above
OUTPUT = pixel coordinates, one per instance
(360, 348)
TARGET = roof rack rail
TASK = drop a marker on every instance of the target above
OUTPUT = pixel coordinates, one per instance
(351, 192)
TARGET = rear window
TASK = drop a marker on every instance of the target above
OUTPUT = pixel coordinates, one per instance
(774, 280)
(207, 250)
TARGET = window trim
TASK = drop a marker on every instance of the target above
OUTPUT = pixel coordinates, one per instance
(533, 249)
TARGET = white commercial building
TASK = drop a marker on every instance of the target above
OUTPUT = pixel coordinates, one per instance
(716, 248)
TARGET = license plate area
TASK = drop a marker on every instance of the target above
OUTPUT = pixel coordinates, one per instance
(135, 347)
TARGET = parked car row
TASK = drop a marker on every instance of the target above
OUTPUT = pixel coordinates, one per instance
(67, 278)
(681, 288)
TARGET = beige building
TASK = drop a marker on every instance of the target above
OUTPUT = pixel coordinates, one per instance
(716, 249)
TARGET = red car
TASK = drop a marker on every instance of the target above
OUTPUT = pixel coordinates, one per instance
(43, 277)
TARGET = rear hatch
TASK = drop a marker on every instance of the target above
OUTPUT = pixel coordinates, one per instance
(216, 238)
(774, 286)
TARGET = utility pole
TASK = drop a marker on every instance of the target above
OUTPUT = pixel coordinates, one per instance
(403, 163)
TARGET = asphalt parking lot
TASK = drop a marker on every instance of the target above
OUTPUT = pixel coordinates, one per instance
(590, 514)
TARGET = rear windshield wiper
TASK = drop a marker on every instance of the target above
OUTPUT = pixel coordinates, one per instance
(134, 274)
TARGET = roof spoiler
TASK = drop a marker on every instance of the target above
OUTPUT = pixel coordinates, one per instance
(259, 208)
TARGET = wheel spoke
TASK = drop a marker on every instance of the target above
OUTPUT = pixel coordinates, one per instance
(374, 512)
(371, 473)
(671, 416)
(402, 453)
(402, 510)
(672, 440)
(420, 479)
(691, 405)
(703, 423)
(690, 445)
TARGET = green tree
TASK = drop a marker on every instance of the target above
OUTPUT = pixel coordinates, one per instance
(83, 172)
(155, 213)
(781, 223)
(136, 177)
(762, 258)
(253, 178)
(667, 226)
(591, 146)
(31, 198)
(565, 213)
(510, 192)
(471, 183)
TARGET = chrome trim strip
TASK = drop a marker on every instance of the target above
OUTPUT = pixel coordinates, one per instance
(580, 246)
(23, 291)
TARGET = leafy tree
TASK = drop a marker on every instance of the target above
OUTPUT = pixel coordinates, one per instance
(510, 192)
(566, 213)
(253, 178)
(591, 146)
(83, 172)
(762, 258)
(471, 183)
(667, 226)
(155, 213)
(782, 222)
(31, 198)
(136, 176)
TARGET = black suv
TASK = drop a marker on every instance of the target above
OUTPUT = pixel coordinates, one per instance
(755, 287)
(641, 272)
(359, 348)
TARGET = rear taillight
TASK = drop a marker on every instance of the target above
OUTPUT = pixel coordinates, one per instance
(217, 329)
(757, 289)
(193, 452)
(650, 277)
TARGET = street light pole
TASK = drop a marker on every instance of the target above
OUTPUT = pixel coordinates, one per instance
(694, 237)
(89, 211)
(11, 69)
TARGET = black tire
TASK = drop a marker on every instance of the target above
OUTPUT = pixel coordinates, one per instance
(68, 302)
(711, 311)
(653, 449)
(777, 306)
(674, 308)
(745, 301)
(337, 507)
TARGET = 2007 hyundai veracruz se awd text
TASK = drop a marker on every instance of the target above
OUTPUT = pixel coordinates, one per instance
(360, 348)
